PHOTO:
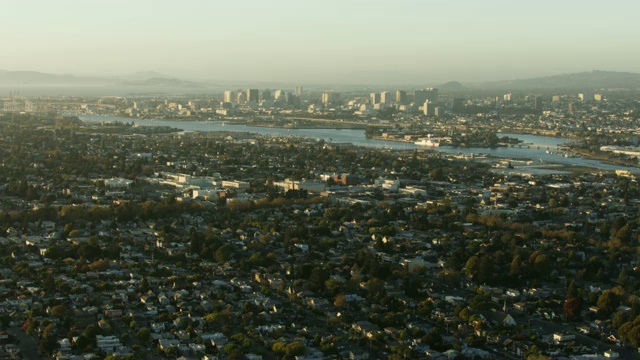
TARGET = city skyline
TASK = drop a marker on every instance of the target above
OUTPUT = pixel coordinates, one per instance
(357, 42)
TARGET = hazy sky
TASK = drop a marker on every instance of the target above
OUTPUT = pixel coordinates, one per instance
(321, 41)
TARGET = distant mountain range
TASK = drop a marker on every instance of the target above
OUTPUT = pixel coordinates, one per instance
(163, 82)
(38, 78)
(143, 75)
(596, 79)
(143, 78)
(451, 86)
(584, 80)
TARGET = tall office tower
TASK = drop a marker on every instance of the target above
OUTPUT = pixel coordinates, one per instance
(458, 105)
(278, 94)
(385, 97)
(240, 97)
(266, 94)
(506, 97)
(401, 97)
(298, 90)
(420, 96)
(537, 103)
(253, 95)
(571, 107)
(291, 99)
(432, 94)
(329, 98)
(375, 98)
(555, 98)
(598, 97)
(429, 108)
(229, 96)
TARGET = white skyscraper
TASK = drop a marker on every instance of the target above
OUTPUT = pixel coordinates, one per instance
(229, 96)
(428, 108)
(386, 97)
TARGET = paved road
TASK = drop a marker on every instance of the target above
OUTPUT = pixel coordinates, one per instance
(28, 346)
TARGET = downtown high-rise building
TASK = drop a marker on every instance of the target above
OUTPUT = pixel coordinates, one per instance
(241, 97)
(375, 98)
(386, 97)
(428, 108)
(229, 96)
(420, 96)
(266, 94)
(329, 98)
(458, 105)
(253, 95)
(401, 97)
(537, 103)
(298, 90)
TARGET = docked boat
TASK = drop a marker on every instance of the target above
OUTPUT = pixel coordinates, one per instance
(429, 142)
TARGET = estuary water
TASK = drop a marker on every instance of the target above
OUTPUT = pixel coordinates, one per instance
(543, 149)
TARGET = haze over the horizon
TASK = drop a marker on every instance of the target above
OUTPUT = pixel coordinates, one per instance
(318, 42)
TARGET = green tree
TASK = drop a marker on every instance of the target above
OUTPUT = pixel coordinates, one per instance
(60, 311)
(49, 331)
(608, 302)
(542, 265)
(516, 266)
(279, 347)
(485, 271)
(224, 253)
(425, 307)
(90, 332)
(144, 335)
(318, 278)
(619, 319)
(295, 348)
(630, 332)
(472, 267)
(374, 287)
(624, 234)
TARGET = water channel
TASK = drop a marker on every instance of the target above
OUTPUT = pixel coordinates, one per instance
(544, 149)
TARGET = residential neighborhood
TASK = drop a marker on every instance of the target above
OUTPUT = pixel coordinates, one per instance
(122, 241)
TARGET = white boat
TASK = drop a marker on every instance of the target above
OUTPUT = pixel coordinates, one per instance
(428, 142)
